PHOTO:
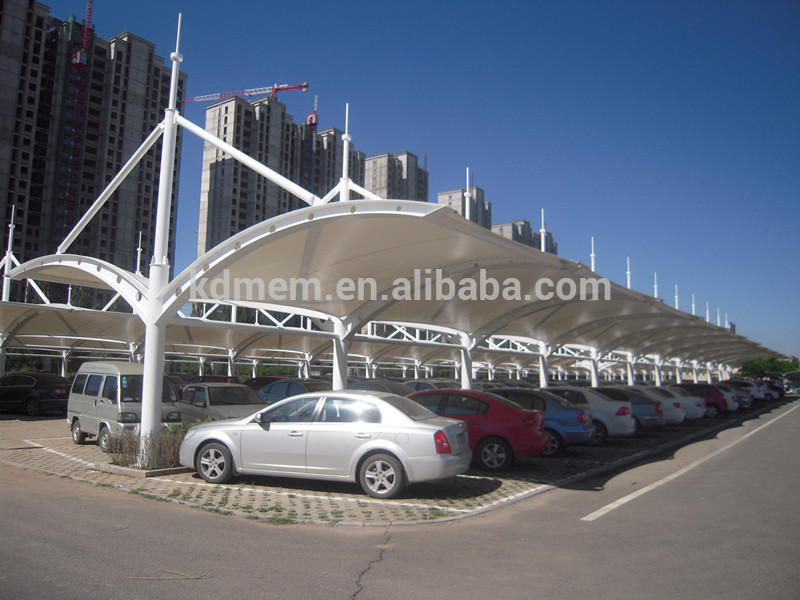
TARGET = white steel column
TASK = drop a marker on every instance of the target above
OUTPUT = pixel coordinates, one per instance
(155, 329)
(593, 366)
(7, 266)
(657, 370)
(466, 361)
(629, 368)
(339, 381)
(544, 353)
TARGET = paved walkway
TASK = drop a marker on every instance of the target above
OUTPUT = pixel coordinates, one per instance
(46, 445)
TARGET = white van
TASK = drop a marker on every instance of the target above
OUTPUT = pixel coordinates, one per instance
(106, 399)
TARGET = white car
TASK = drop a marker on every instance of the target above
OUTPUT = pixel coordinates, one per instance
(673, 408)
(741, 397)
(610, 417)
(380, 440)
(693, 406)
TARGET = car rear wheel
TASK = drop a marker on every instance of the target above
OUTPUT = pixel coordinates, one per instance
(554, 445)
(32, 407)
(214, 463)
(381, 476)
(712, 412)
(599, 434)
(78, 436)
(104, 439)
(493, 454)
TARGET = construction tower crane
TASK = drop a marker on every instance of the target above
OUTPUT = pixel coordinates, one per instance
(271, 90)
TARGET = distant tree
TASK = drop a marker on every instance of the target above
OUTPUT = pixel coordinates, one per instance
(764, 368)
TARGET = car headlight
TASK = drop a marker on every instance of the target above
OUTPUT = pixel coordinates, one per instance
(173, 417)
(128, 417)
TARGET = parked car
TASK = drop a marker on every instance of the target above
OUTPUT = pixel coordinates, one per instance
(214, 379)
(256, 383)
(106, 401)
(610, 417)
(382, 441)
(648, 413)
(499, 430)
(735, 396)
(34, 393)
(671, 406)
(201, 401)
(746, 385)
(285, 388)
(693, 406)
(431, 384)
(714, 399)
(566, 423)
(382, 385)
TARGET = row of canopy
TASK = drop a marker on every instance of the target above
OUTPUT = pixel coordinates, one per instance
(421, 268)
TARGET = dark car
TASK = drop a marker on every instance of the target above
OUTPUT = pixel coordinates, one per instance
(382, 385)
(256, 383)
(284, 388)
(498, 429)
(566, 423)
(215, 401)
(34, 393)
(214, 379)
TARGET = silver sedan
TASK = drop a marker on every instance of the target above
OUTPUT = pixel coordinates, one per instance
(380, 440)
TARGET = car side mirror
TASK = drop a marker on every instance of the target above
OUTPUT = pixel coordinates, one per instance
(199, 403)
(262, 419)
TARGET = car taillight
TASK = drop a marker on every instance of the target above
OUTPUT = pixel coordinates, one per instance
(583, 417)
(60, 392)
(530, 421)
(442, 445)
(622, 411)
(676, 404)
(659, 408)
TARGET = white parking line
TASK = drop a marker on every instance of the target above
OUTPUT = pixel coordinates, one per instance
(625, 499)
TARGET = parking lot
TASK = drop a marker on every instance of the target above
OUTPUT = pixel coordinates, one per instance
(45, 445)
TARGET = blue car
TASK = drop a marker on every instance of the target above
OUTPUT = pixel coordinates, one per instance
(283, 388)
(567, 424)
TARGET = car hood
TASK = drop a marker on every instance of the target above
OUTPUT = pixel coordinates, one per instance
(236, 411)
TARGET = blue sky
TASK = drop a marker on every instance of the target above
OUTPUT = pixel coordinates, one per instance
(669, 131)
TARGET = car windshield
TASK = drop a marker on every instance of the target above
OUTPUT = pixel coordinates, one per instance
(233, 395)
(504, 400)
(316, 386)
(132, 389)
(409, 408)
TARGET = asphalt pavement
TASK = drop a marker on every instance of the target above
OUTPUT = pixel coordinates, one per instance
(714, 517)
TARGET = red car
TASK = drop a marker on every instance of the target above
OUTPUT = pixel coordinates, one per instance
(498, 429)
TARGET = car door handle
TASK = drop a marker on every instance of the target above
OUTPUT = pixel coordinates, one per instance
(363, 436)
(295, 434)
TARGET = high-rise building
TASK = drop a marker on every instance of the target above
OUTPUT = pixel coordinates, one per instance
(396, 176)
(480, 210)
(234, 197)
(522, 232)
(73, 109)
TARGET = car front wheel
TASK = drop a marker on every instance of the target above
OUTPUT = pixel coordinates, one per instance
(78, 436)
(493, 454)
(214, 463)
(381, 476)
(712, 412)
